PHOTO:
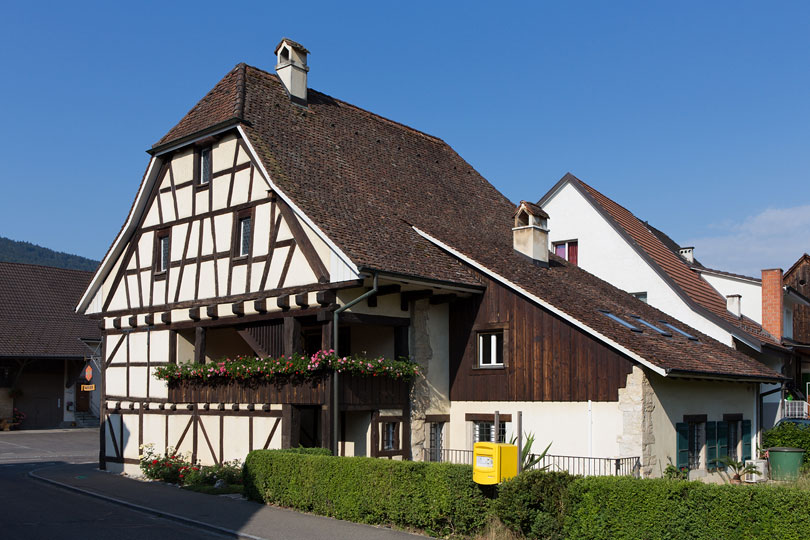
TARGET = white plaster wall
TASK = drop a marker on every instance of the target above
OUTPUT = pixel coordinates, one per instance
(357, 441)
(564, 424)
(673, 398)
(751, 294)
(604, 253)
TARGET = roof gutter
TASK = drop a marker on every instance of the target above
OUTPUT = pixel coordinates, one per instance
(563, 315)
(335, 374)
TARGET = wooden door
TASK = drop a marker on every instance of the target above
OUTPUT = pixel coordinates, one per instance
(82, 398)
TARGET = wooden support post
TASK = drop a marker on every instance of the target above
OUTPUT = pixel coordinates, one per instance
(326, 336)
(406, 430)
(520, 440)
(102, 409)
(172, 346)
(327, 409)
(286, 425)
(292, 336)
(496, 427)
(199, 345)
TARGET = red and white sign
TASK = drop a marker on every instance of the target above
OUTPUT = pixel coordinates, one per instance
(88, 373)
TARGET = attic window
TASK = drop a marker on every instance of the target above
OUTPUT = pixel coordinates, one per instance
(651, 326)
(620, 320)
(205, 166)
(681, 332)
(567, 250)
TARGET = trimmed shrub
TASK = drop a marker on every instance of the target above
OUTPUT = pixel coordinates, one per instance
(790, 435)
(534, 503)
(439, 498)
(310, 451)
(628, 508)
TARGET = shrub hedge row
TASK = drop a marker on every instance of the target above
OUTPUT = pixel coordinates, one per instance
(790, 435)
(439, 498)
(442, 500)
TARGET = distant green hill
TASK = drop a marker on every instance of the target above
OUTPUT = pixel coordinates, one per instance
(28, 253)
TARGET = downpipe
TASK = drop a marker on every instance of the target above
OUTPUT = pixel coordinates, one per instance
(335, 374)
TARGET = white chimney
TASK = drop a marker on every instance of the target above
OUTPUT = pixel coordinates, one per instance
(733, 304)
(292, 69)
(688, 254)
(530, 233)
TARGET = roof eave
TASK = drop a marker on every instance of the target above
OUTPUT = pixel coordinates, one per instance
(215, 129)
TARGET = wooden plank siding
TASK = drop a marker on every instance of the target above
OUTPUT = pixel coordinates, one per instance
(545, 358)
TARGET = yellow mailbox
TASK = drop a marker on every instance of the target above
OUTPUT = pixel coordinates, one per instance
(494, 462)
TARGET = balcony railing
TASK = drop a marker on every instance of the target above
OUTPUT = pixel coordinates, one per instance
(578, 465)
(795, 409)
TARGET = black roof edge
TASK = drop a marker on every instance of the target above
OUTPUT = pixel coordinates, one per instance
(231, 122)
(437, 282)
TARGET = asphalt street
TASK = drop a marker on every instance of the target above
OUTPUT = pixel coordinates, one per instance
(33, 510)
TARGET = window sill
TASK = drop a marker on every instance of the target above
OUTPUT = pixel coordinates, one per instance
(241, 259)
(202, 187)
(161, 276)
(483, 369)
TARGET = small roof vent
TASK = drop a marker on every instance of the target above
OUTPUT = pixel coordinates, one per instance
(688, 254)
(530, 233)
(292, 69)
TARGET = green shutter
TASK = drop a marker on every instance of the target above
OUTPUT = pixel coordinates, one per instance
(722, 443)
(711, 445)
(746, 440)
(682, 430)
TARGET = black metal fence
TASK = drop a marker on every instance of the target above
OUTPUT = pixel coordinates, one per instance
(579, 465)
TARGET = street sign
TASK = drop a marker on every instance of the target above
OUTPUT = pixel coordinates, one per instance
(88, 373)
(88, 387)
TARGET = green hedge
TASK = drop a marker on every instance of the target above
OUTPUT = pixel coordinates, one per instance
(534, 503)
(627, 508)
(439, 498)
(790, 435)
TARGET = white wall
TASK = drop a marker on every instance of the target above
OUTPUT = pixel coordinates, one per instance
(604, 253)
(750, 292)
(566, 425)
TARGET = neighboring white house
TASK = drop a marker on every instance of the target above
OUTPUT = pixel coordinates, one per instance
(606, 239)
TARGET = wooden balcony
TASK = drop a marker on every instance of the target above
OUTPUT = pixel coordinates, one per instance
(356, 392)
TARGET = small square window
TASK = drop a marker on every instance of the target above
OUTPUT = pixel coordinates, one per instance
(490, 349)
(485, 432)
(205, 166)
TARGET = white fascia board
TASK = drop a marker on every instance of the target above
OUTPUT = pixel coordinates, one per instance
(563, 315)
(118, 244)
(727, 277)
(297, 211)
(795, 298)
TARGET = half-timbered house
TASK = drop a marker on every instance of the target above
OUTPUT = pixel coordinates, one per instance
(274, 219)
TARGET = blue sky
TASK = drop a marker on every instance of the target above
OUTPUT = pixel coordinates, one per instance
(694, 115)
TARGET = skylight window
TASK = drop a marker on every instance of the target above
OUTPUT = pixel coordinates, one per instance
(651, 326)
(681, 332)
(620, 321)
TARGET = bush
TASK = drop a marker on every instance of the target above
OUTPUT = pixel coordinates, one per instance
(229, 472)
(790, 435)
(534, 503)
(628, 508)
(438, 498)
(170, 467)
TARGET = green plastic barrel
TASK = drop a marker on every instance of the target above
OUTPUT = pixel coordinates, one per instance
(785, 462)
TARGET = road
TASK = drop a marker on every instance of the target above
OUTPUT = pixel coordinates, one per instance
(33, 510)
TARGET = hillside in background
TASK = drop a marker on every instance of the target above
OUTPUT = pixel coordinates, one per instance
(28, 253)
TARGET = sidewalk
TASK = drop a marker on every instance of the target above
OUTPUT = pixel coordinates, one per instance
(222, 514)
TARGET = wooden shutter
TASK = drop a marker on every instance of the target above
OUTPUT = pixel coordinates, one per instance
(711, 445)
(746, 440)
(682, 452)
(722, 443)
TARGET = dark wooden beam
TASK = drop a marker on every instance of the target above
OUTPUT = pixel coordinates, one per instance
(283, 302)
(379, 320)
(238, 309)
(292, 336)
(117, 323)
(302, 300)
(212, 311)
(166, 317)
(194, 313)
(252, 343)
(149, 319)
(172, 346)
(326, 297)
(408, 296)
(133, 321)
(260, 305)
(383, 291)
(199, 345)
(326, 336)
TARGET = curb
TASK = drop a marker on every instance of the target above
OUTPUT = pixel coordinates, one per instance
(145, 509)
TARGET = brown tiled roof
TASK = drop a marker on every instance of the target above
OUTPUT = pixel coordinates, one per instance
(367, 182)
(532, 208)
(36, 312)
(686, 281)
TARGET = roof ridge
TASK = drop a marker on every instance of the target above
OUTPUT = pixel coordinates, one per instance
(239, 106)
(373, 115)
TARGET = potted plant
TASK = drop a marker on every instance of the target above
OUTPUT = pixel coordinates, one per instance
(737, 469)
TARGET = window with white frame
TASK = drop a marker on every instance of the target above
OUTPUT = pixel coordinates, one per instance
(485, 432)
(490, 349)
(244, 236)
(162, 253)
(567, 250)
(206, 168)
(389, 435)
